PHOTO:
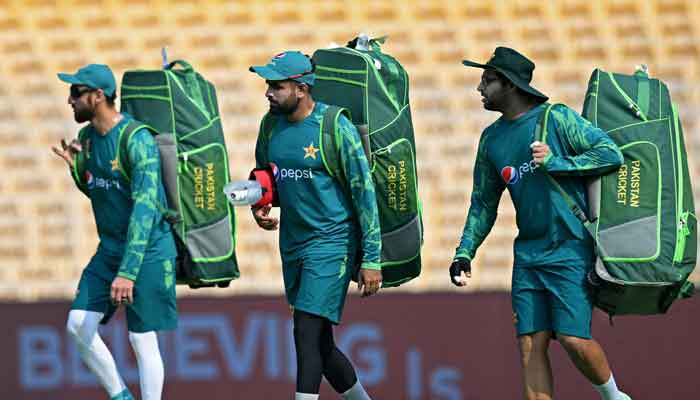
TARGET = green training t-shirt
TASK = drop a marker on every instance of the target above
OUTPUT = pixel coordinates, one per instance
(129, 225)
(548, 232)
(317, 215)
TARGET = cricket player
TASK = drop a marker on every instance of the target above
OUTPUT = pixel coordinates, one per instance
(326, 229)
(553, 251)
(134, 263)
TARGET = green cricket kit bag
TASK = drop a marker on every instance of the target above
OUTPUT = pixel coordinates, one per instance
(373, 86)
(643, 217)
(179, 106)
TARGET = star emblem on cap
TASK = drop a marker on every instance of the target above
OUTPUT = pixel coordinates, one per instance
(310, 151)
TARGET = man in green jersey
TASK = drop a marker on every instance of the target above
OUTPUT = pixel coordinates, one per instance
(326, 228)
(134, 262)
(552, 251)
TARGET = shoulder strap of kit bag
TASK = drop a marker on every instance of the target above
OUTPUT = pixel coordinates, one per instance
(541, 136)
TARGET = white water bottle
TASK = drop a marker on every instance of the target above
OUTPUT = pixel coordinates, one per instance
(243, 193)
(362, 42)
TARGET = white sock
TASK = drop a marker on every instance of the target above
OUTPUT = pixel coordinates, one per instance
(356, 392)
(305, 396)
(609, 390)
(151, 372)
(82, 328)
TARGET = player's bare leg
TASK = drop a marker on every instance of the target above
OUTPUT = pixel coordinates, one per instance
(588, 356)
(537, 372)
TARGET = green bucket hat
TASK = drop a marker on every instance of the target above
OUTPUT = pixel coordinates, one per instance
(514, 66)
(292, 65)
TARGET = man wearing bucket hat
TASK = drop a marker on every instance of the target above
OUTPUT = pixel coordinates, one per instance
(552, 251)
(323, 221)
(134, 262)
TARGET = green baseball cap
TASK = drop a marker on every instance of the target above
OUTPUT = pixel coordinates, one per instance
(514, 66)
(292, 65)
(94, 76)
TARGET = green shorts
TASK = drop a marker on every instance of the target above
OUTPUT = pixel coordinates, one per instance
(554, 298)
(318, 283)
(154, 306)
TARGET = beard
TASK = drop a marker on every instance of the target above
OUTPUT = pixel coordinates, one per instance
(285, 108)
(82, 115)
(489, 104)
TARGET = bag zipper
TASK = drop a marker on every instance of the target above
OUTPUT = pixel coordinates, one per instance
(682, 217)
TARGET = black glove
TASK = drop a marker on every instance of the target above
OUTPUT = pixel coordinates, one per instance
(459, 265)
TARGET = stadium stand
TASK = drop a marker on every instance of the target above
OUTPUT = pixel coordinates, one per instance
(46, 229)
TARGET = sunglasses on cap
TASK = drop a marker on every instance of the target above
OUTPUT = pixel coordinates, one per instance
(77, 91)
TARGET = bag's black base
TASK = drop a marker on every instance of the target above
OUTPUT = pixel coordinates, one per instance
(626, 299)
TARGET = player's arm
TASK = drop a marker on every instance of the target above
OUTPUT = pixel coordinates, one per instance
(145, 174)
(361, 189)
(262, 214)
(77, 179)
(69, 152)
(487, 189)
(354, 165)
(594, 153)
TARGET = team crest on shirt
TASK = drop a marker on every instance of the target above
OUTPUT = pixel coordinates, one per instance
(310, 151)
(115, 164)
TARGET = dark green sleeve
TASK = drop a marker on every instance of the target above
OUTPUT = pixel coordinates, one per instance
(594, 153)
(260, 149)
(145, 176)
(74, 173)
(486, 194)
(359, 179)
(267, 124)
(76, 180)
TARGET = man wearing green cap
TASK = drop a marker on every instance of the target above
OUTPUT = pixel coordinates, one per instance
(134, 262)
(553, 252)
(322, 222)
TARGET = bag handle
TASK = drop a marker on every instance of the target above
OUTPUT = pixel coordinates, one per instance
(374, 44)
(642, 75)
(194, 90)
(184, 65)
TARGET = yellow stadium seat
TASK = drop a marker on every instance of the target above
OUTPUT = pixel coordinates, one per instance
(671, 7)
(10, 24)
(479, 10)
(381, 12)
(330, 13)
(623, 9)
